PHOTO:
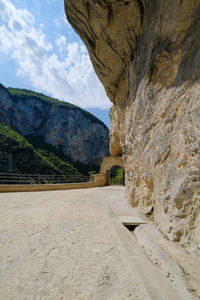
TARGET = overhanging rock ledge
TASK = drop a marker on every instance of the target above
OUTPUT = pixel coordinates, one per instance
(147, 55)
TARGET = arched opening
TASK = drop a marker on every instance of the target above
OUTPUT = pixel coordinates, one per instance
(108, 163)
(115, 176)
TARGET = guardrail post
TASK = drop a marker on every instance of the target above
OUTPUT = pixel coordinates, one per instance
(39, 179)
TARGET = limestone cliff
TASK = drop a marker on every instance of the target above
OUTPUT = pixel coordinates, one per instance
(147, 55)
(66, 127)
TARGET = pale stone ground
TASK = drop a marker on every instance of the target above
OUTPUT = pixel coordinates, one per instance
(70, 245)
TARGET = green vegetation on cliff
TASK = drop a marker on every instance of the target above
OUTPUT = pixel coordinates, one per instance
(17, 155)
(63, 166)
(40, 145)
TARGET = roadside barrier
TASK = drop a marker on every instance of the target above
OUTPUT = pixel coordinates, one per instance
(30, 179)
(10, 182)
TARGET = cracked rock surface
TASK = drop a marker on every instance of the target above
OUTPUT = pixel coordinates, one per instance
(147, 55)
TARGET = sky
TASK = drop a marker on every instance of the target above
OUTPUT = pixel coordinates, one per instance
(40, 51)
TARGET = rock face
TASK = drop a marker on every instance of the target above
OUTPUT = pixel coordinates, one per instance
(67, 127)
(147, 55)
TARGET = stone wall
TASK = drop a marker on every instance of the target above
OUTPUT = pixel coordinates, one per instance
(98, 179)
(147, 55)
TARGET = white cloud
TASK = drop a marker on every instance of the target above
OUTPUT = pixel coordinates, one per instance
(69, 76)
(57, 23)
(61, 43)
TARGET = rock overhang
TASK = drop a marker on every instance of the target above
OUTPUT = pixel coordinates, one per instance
(154, 86)
(110, 30)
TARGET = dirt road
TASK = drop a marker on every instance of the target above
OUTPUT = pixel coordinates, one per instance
(70, 245)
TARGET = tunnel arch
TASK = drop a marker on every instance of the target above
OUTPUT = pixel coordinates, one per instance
(108, 163)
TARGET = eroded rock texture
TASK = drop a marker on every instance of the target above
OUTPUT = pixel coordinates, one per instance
(147, 55)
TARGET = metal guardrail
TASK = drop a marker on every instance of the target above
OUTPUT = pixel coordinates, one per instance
(17, 179)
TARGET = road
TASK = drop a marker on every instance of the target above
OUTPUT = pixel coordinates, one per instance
(70, 245)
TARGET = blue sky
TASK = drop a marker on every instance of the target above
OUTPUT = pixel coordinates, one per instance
(40, 51)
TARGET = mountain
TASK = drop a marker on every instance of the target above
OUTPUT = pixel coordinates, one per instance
(17, 155)
(47, 122)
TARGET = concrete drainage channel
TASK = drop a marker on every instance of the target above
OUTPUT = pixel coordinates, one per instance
(157, 286)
